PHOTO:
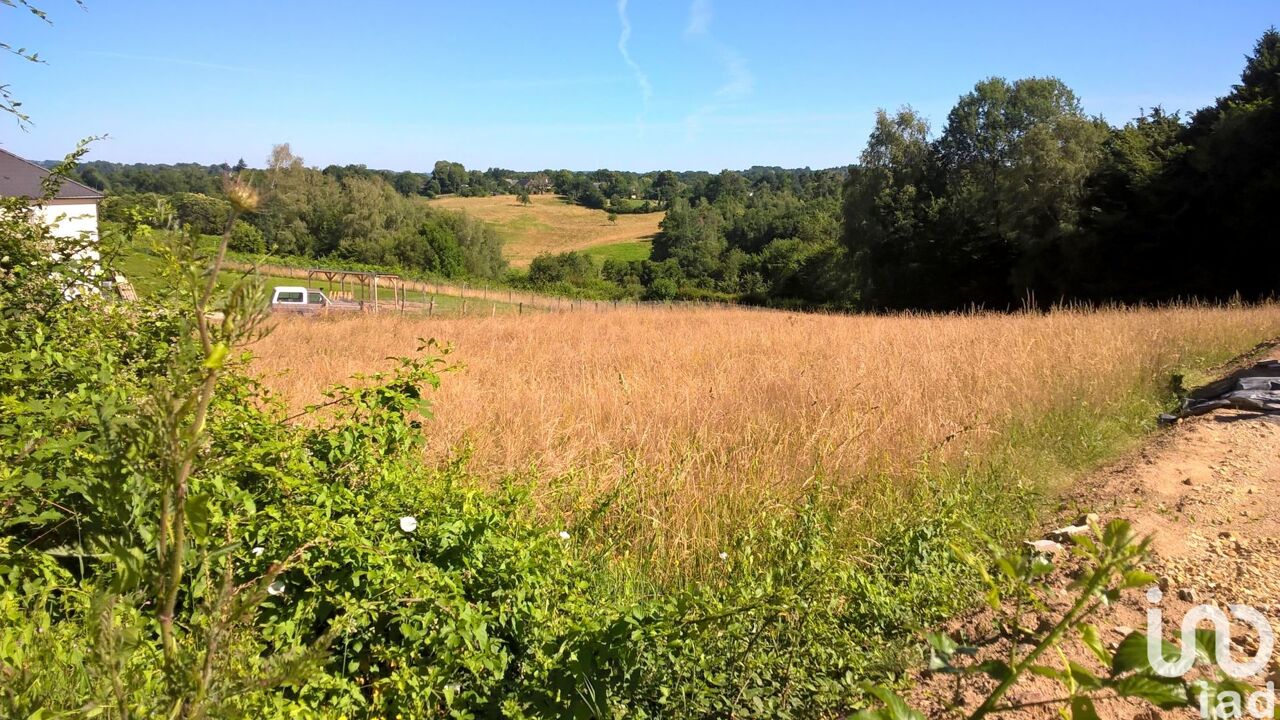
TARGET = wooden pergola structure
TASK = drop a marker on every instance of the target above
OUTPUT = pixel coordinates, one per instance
(366, 282)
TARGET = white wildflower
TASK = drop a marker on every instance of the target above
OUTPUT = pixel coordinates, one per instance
(276, 588)
(724, 556)
(564, 534)
(408, 523)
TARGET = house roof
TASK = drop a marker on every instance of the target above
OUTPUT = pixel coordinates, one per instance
(23, 178)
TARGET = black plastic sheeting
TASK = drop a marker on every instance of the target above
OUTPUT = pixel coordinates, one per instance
(1255, 389)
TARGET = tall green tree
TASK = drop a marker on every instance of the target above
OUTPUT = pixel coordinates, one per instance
(888, 211)
(451, 176)
(1228, 181)
(693, 237)
(1182, 209)
(408, 183)
(1016, 158)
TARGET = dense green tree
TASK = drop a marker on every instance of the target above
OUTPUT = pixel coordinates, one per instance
(561, 180)
(1126, 213)
(666, 187)
(480, 244)
(433, 247)
(889, 208)
(93, 177)
(1016, 159)
(573, 268)
(142, 178)
(1169, 191)
(206, 215)
(450, 176)
(1224, 186)
(728, 184)
(358, 215)
(693, 237)
(246, 238)
(408, 183)
(984, 214)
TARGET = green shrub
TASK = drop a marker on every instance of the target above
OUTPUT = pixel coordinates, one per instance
(573, 268)
(206, 215)
(246, 238)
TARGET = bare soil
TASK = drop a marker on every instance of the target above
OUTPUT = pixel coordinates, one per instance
(1207, 490)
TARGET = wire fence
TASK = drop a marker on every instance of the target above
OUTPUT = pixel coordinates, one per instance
(445, 298)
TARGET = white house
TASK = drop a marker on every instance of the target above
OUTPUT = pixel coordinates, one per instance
(71, 212)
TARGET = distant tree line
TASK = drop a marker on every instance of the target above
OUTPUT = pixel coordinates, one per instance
(122, 179)
(1021, 198)
(345, 215)
(622, 192)
(760, 235)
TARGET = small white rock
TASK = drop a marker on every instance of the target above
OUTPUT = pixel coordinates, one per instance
(1067, 534)
(1045, 547)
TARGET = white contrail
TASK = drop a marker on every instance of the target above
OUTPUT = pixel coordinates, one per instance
(739, 82)
(172, 61)
(699, 18)
(646, 90)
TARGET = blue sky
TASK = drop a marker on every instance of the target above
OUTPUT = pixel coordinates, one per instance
(625, 84)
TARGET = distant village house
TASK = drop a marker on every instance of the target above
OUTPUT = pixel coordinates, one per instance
(72, 210)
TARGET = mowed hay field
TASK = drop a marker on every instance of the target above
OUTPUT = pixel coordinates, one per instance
(550, 225)
(694, 421)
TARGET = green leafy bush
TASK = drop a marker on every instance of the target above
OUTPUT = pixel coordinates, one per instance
(246, 238)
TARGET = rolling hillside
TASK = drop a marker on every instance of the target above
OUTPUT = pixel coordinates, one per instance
(551, 225)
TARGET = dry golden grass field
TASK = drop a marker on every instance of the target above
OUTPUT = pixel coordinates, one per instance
(551, 225)
(697, 417)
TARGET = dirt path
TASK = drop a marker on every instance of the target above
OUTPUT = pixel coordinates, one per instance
(1208, 491)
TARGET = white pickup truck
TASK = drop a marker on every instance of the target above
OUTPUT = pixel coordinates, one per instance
(302, 301)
